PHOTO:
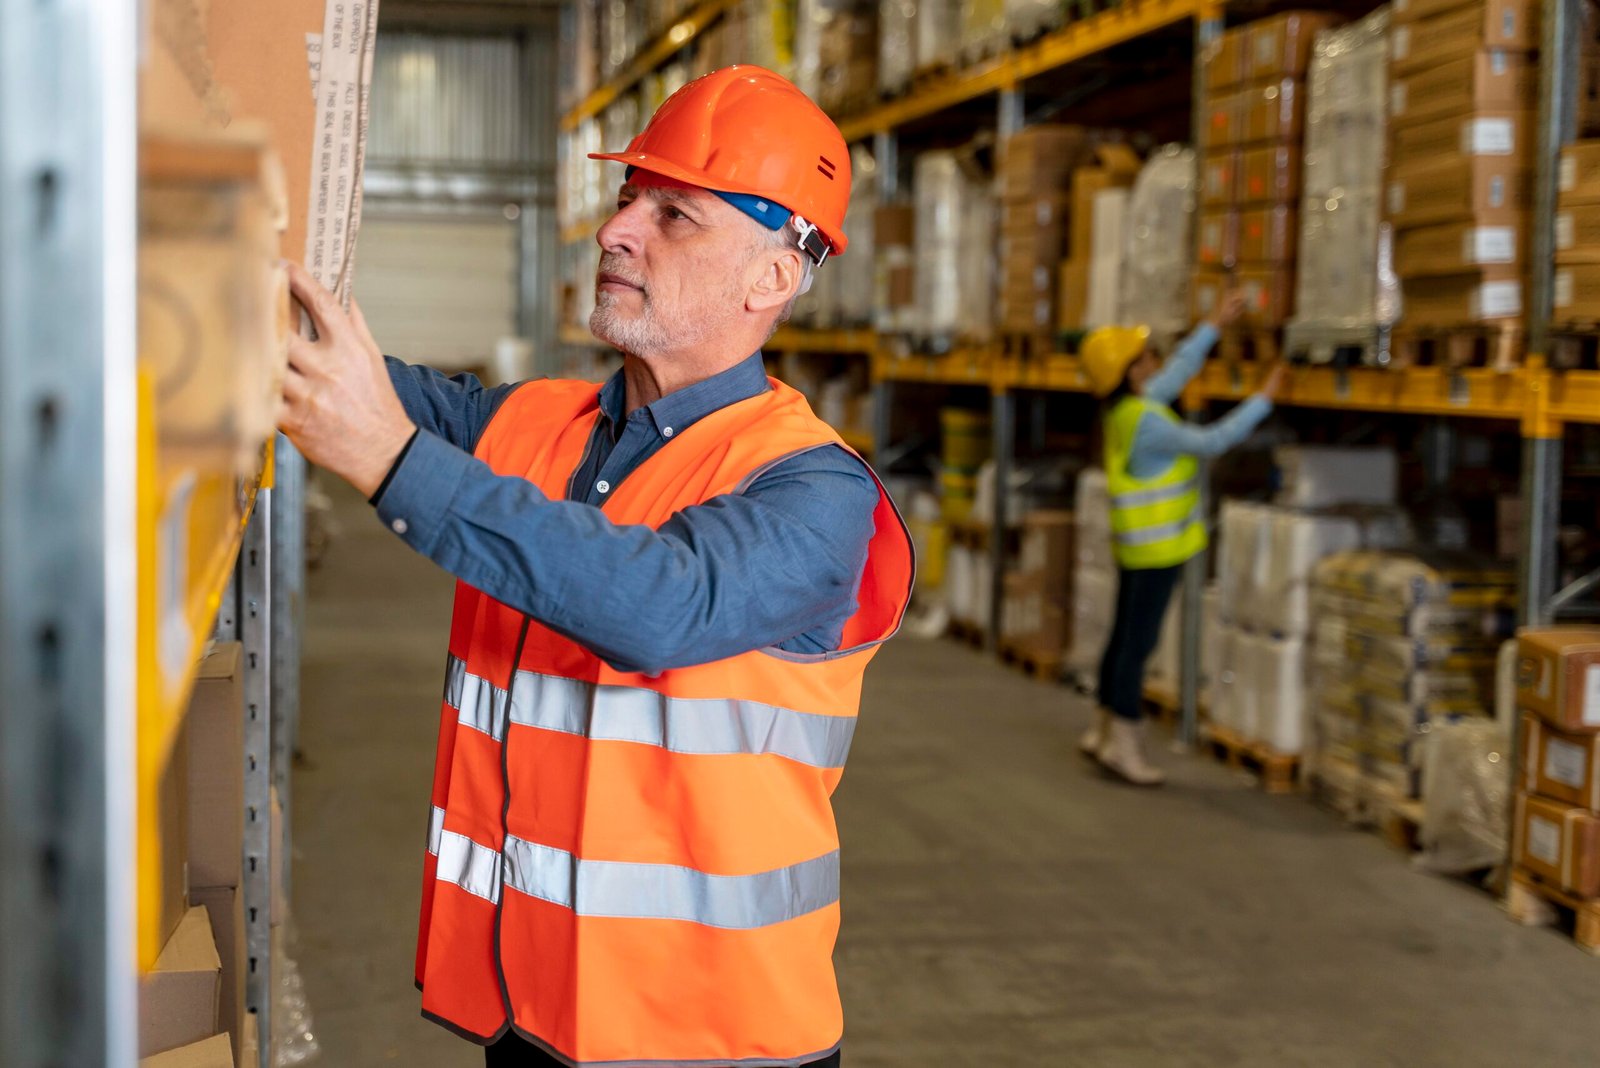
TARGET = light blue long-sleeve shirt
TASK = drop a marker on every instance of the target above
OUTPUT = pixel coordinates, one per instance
(1158, 442)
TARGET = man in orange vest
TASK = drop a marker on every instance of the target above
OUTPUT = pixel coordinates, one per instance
(670, 588)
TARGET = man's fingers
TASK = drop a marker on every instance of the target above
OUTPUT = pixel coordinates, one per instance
(363, 333)
(295, 387)
(306, 357)
(326, 315)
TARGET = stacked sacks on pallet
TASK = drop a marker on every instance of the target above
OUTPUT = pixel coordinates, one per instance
(1094, 578)
(955, 263)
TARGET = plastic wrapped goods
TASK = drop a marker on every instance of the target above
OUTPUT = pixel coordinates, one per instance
(1105, 267)
(1159, 241)
(1094, 602)
(938, 34)
(1317, 476)
(1467, 777)
(983, 26)
(842, 289)
(1029, 18)
(1092, 507)
(1281, 705)
(955, 249)
(897, 44)
(1345, 142)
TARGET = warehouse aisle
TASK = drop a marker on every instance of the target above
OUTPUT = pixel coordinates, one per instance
(1003, 904)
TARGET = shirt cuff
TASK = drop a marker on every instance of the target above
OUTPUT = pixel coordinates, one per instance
(416, 502)
(378, 493)
(1205, 334)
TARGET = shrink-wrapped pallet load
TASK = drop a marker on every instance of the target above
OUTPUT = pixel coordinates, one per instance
(1159, 236)
(954, 274)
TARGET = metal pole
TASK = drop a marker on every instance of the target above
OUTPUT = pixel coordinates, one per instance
(1557, 84)
(1003, 407)
(255, 635)
(287, 583)
(1541, 515)
(68, 601)
(886, 152)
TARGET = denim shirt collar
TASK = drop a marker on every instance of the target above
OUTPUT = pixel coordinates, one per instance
(681, 410)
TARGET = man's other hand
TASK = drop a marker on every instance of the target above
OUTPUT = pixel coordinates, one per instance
(338, 406)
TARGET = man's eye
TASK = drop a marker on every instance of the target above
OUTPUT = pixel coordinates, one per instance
(673, 213)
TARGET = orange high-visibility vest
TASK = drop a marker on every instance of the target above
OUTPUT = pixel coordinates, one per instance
(644, 870)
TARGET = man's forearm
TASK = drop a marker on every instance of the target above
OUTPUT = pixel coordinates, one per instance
(455, 407)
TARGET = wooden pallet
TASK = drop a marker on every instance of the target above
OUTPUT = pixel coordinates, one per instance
(1247, 346)
(1498, 347)
(1533, 902)
(1337, 348)
(967, 633)
(1045, 668)
(1277, 771)
(1401, 825)
(1575, 346)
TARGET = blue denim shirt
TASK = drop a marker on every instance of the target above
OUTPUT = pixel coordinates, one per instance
(1157, 443)
(777, 565)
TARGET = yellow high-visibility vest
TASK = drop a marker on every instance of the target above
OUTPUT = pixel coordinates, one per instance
(1155, 522)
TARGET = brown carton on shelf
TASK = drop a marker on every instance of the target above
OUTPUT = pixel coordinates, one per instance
(224, 906)
(1034, 231)
(1206, 289)
(1558, 676)
(1223, 60)
(1559, 843)
(1073, 294)
(1280, 46)
(216, 770)
(1040, 159)
(1218, 239)
(1403, 11)
(1268, 234)
(1223, 121)
(1458, 248)
(1511, 134)
(1490, 190)
(1115, 167)
(1576, 296)
(178, 997)
(250, 1045)
(1507, 24)
(1034, 619)
(1269, 174)
(172, 799)
(1268, 294)
(1495, 80)
(1275, 113)
(1579, 174)
(1219, 179)
(1488, 295)
(894, 240)
(1048, 548)
(1560, 765)
(1577, 232)
(213, 1052)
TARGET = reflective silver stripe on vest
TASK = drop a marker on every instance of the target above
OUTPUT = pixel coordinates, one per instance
(435, 829)
(455, 674)
(473, 867)
(620, 890)
(698, 726)
(1148, 535)
(1140, 498)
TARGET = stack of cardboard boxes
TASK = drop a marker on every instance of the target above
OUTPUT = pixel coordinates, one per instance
(195, 992)
(1091, 276)
(1556, 829)
(1250, 176)
(1577, 281)
(1034, 205)
(1463, 106)
(1036, 617)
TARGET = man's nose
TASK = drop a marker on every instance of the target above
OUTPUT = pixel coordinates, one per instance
(624, 232)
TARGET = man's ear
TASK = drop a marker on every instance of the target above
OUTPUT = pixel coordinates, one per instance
(778, 283)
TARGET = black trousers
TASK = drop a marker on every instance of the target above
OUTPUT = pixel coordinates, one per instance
(1142, 598)
(514, 1052)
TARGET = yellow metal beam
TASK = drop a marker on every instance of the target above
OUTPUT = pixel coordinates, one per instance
(657, 52)
(1478, 392)
(963, 367)
(843, 342)
(1075, 41)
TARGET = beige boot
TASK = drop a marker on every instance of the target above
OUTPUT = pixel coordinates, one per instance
(1093, 738)
(1123, 753)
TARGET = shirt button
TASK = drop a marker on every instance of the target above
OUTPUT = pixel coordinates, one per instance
(603, 486)
(667, 433)
(399, 526)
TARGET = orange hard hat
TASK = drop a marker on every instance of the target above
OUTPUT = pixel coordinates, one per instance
(746, 130)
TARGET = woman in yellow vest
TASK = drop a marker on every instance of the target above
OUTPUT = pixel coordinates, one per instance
(1152, 462)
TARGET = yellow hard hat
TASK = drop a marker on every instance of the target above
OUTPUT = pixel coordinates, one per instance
(1108, 352)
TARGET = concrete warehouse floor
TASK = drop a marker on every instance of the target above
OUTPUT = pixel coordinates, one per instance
(1004, 905)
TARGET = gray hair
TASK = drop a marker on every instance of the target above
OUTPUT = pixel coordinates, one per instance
(787, 237)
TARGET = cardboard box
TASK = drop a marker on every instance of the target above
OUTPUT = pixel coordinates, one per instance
(1218, 240)
(172, 814)
(1115, 167)
(1280, 46)
(1489, 190)
(1268, 294)
(1493, 294)
(1034, 617)
(1219, 179)
(1484, 133)
(1072, 294)
(1275, 112)
(1224, 120)
(178, 998)
(1049, 548)
(1404, 11)
(216, 770)
(1041, 159)
(213, 1052)
(1577, 234)
(1559, 765)
(1268, 234)
(250, 1047)
(1270, 174)
(1427, 42)
(1558, 842)
(1034, 231)
(1494, 79)
(1223, 60)
(1457, 248)
(1577, 292)
(1558, 676)
(1579, 174)
(224, 906)
(1206, 288)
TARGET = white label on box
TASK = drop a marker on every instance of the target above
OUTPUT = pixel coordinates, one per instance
(1497, 192)
(1591, 679)
(1490, 244)
(1508, 24)
(1563, 762)
(1497, 300)
(1397, 198)
(1563, 299)
(1041, 278)
(1487, 137)
(1569, 174)
(1400, 42)
(1497, 63)
(1544, 840)
(1566, 230)
(1402, 6)
(1397, 98)
(1266, 50)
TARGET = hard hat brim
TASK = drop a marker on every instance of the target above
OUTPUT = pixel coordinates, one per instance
(667, 169)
